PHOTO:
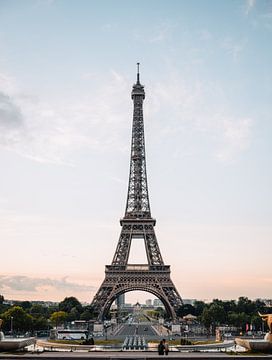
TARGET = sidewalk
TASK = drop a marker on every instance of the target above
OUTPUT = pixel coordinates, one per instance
(128, 355)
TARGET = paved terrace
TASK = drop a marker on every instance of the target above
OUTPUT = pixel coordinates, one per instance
(127, 356)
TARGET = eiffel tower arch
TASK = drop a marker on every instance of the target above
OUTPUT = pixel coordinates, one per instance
(154, 276)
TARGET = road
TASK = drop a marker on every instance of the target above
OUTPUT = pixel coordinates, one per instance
(137, 329)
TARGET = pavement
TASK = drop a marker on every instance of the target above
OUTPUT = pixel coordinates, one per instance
(142, 330)
(127, 356)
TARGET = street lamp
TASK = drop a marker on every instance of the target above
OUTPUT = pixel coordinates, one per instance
(106, 332)
(11, 325)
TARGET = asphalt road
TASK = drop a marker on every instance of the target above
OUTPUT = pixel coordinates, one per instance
(137, 329)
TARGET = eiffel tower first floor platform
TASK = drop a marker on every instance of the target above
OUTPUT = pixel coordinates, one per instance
(120, 279)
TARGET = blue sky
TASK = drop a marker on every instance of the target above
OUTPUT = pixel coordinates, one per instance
(66, 72)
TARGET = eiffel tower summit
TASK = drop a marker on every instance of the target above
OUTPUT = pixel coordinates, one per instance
(154, 276)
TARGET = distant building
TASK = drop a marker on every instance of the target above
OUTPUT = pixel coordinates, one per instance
(120, 301)
(189, 301)
(128, 305)
(268, 302)
(148, 302)
(157, 303)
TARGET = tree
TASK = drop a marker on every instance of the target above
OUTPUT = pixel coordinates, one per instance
(186, 309)
(69, 303)
(239, 319)
(86, 315)
(199, 307)
(257, 322)
(58, 317)
(18, 317)
(38, 310)
(1, 299)
(26, 305)
(40, 323)
(229, 306)
(213, 315)
(73, 314)
(245, 305)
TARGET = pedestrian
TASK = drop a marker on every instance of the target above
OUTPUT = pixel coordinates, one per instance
(161, 348)
(166, 347)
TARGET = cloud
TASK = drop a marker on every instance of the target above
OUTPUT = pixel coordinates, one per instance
(55, 131)
(249, 6)
(205, 35)
(198, 111)
(10, 114)
(29, 284)
(52, 131)
(237, 137)
(156, 34)
(233, 48)
(11, 121)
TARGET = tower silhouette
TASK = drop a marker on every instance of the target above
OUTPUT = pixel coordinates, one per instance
(154, 276)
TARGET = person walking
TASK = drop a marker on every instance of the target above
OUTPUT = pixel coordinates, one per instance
(161, 348)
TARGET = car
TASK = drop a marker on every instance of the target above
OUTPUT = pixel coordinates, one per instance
(227, 334)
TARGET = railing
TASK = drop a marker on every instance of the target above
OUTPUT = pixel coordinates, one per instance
(138, 267)
(132, 343)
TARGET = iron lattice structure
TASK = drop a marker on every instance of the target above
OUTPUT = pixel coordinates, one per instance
(120, 276)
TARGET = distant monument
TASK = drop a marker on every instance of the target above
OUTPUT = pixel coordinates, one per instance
(152, 276)
(259, 345)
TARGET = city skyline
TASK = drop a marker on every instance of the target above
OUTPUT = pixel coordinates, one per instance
(66, 74)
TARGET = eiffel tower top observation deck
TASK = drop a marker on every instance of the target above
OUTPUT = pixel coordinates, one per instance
(138, 206)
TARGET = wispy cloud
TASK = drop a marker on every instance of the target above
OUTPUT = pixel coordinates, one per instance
(249, 5)
(237, 137)
(31, 284)
(198, 110)
(50, 132)
(156, 34)
(205, 34)
(10, 114)
(234, 48)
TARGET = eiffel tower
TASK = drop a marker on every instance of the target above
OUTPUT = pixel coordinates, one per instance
(120, 276)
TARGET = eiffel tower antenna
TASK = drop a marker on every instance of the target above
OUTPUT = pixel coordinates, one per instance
(137, 223)
(138, 73)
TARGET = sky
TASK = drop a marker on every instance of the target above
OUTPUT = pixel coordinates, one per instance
(66, 72)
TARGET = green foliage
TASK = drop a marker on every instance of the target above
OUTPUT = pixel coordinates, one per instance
(38, 310)
(21, 321)
(232, 313)
(58, 317)
(26, 305)
(239, 319)
(213, 315)
(87, 314)
(199, 307)
(186, 309)
(40, 323)
(70, 303)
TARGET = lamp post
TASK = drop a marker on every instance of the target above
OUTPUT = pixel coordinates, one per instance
(11, 325)
(106, 332)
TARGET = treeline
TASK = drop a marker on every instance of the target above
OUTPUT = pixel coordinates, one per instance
(25, 316)
(242, 314)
